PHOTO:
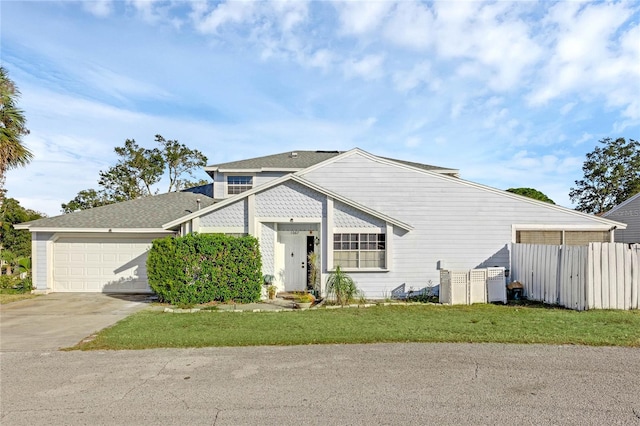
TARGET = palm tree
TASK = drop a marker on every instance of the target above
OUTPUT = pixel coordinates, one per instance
(12, 127)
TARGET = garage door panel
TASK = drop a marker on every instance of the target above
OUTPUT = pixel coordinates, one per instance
(93, 265)
(77, 257)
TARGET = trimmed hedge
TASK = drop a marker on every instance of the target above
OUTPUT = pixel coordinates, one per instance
(201, 268)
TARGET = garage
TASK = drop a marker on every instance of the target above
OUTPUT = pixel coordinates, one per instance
(113, 264)
(104, 249)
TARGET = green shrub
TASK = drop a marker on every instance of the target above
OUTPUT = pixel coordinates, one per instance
(201, 268)
(13, 284)
(9, 281)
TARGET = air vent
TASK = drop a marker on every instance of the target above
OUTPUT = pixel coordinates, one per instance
(294, 154)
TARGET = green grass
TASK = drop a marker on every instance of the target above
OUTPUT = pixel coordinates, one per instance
(422, 323)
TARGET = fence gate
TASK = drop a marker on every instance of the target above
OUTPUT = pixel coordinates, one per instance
(597, 276)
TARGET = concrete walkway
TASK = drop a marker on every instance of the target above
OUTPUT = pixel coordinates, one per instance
(58, 320)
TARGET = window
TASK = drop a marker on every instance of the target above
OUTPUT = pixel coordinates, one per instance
(359, 250)
(238, 184)
(571, 238)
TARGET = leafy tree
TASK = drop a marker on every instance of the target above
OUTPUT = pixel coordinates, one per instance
(137, 170)
(611, 175)
(134, 174)
(179, 160)
(531, 193)
(12, 128)
(87, 199)
(186, 183)
(16, 241)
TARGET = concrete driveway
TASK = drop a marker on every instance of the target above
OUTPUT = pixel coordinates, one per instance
(58, 320)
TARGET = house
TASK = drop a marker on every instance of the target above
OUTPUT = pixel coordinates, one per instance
(627, 212)
(389, 223)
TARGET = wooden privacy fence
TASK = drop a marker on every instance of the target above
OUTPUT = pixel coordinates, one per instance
(597, 276)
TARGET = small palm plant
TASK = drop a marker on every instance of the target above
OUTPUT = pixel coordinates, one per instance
(341, 287)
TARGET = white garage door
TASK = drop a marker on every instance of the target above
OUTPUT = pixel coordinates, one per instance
(101, 264)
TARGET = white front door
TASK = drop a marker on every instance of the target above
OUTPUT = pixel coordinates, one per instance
(295, 261)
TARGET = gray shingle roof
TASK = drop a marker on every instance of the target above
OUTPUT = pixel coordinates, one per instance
(302, 160)
(149, 212)
(284, 160)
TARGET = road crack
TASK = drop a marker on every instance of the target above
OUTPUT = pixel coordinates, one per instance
(134, 387)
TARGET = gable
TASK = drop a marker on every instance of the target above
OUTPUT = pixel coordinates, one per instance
(290, 199)
(282, 198)
(233, 216)
(411, 195)
(628, 213)
(627, 209)
(347, 217)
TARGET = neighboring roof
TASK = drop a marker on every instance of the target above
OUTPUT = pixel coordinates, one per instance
(279, 181)
(143, 213)
(622, 204)
(298, 160)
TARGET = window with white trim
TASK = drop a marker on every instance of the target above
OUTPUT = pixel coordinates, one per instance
(360, 251)
(239, 184)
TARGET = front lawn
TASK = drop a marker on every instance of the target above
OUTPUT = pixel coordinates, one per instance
(14, 297)
(416, 323)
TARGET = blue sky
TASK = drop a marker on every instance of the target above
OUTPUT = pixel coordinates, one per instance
(513, 94)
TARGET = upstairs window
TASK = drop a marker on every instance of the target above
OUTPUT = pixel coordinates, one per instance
(360, 251)
(239, 184)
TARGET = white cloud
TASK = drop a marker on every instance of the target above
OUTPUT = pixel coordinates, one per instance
(496, 118)
(584, 138)
(99, 8)
(592, 55)
(322, 58)
(410, 25)
(362, 17)
(290, 13)
(492, 39)
(369, 67)
(421, 73)
(233, 12)
(120, 85)
(566, 108)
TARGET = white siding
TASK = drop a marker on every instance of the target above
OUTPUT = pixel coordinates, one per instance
(40, 259)
(264, 177)
(267, 242)
(290, 200)
(231, 216)
(628, 213)
(345, 216)
(218, 185)
(260, 178)
(457, 226)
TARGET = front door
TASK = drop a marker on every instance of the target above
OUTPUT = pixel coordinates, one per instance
(295, 261)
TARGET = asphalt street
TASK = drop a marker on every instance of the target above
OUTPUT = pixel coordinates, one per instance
(386, 384)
